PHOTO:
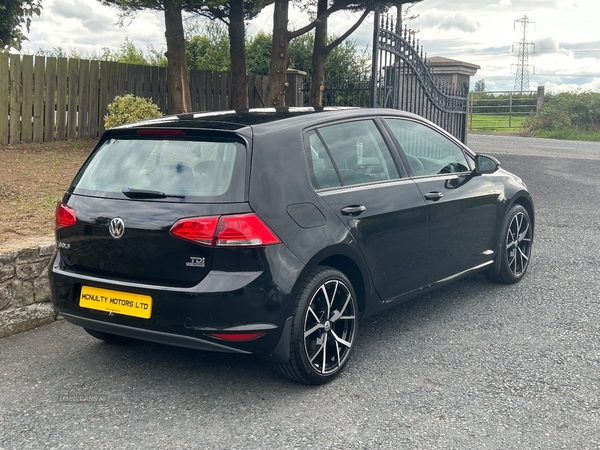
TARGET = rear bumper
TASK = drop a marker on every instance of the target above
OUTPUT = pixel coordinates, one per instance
(150, 335)
(224, 302)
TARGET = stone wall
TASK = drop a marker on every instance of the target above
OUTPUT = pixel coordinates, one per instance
(24, 288)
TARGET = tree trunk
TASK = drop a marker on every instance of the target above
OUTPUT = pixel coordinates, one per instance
(178, 78)
(279, 56)
(317, 77)
(238, 92)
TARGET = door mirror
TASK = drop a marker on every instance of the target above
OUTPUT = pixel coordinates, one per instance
(485, 164)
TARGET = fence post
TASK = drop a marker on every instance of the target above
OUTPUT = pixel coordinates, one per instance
(4, 103)
(293, 94)
(27, 100)
(15, 99)
(510, 110)
(540, 99)
(470, 109)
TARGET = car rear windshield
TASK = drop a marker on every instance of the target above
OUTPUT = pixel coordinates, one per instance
(195, 170)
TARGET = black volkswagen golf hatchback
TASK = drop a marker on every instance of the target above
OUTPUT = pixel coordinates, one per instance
(273, 232)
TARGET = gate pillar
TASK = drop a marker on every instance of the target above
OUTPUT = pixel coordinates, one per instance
(454, 72)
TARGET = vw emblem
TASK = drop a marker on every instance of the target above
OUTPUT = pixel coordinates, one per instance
(117, 228)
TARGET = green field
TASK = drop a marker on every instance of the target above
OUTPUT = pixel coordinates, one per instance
(496, 122)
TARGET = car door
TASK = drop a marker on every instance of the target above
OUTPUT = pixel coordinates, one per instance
(353, 171)
(461, 207)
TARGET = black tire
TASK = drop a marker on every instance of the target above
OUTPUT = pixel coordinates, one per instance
(516, 240)
(323, 328)
(109, 337)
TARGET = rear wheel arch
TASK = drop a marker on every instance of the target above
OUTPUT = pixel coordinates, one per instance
(339, 259)
(349, 268)
(323, 327)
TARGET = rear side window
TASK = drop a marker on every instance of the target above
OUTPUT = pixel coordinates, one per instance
(196, 170)
(349, 153)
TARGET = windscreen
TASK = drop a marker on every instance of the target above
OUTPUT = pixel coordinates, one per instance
(193, 170)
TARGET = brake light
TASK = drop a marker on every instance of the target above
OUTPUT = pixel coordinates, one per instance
(236, 337)
(239, 230)
(64, 216)
(160, 132)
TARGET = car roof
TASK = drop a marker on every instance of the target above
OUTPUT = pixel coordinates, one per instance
(262, 118)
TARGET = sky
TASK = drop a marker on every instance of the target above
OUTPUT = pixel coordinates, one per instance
(565, 55)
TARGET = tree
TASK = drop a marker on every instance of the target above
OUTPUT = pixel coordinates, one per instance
(480, 86)
(208, 49)
(178, 75)
(345, 61)
(321, 50)
(233, 13)
(279, 51)
(323, 47)
(282, 36)
(259, 53)
(13, 15)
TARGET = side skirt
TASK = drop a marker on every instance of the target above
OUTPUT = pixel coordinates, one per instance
(438, 284)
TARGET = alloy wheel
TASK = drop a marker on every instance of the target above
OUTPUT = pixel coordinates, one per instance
(329, 327)
(518, 244)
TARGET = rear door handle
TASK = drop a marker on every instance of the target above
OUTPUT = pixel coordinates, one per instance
(354, 210)
(433, 196)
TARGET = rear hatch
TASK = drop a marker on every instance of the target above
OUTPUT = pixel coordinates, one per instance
(118, 217)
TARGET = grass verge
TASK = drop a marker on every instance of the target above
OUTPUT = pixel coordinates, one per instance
(568, 134)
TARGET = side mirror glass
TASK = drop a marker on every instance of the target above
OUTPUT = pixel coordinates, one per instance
(486, 164)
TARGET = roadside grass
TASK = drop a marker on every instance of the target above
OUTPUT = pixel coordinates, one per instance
(496, 123)
(499, 123)
(568, 134)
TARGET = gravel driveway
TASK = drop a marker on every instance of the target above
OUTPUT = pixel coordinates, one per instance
(474, 365)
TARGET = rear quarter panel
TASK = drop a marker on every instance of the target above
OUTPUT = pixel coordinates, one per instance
(278, 179)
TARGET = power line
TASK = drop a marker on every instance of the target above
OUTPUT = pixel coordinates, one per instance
(522, 75)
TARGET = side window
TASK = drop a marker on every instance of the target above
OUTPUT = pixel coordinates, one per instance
(322, 172)
(428, 152)
(359, 154)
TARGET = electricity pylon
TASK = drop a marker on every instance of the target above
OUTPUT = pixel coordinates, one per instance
(522, 74)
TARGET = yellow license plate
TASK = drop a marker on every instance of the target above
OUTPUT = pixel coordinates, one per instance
(116, 302)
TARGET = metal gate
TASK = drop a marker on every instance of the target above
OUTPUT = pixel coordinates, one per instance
(402, 79)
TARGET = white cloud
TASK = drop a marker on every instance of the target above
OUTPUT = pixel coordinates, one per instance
(555, 88)
(88, 26)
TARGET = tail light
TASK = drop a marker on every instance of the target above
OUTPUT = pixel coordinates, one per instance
(201, 230)
(64, 216)
(239, 230)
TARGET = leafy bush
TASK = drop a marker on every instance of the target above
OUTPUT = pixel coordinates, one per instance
(129, 108)
(568, 110)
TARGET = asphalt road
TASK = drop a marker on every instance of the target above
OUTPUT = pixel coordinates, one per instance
(474, 365)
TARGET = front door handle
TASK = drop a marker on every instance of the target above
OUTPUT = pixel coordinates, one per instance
(353, 210)
(433, 196)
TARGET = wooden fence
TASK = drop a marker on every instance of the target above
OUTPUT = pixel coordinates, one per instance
(48, 99)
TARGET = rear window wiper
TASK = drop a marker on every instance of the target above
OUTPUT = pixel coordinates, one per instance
(146, 193)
